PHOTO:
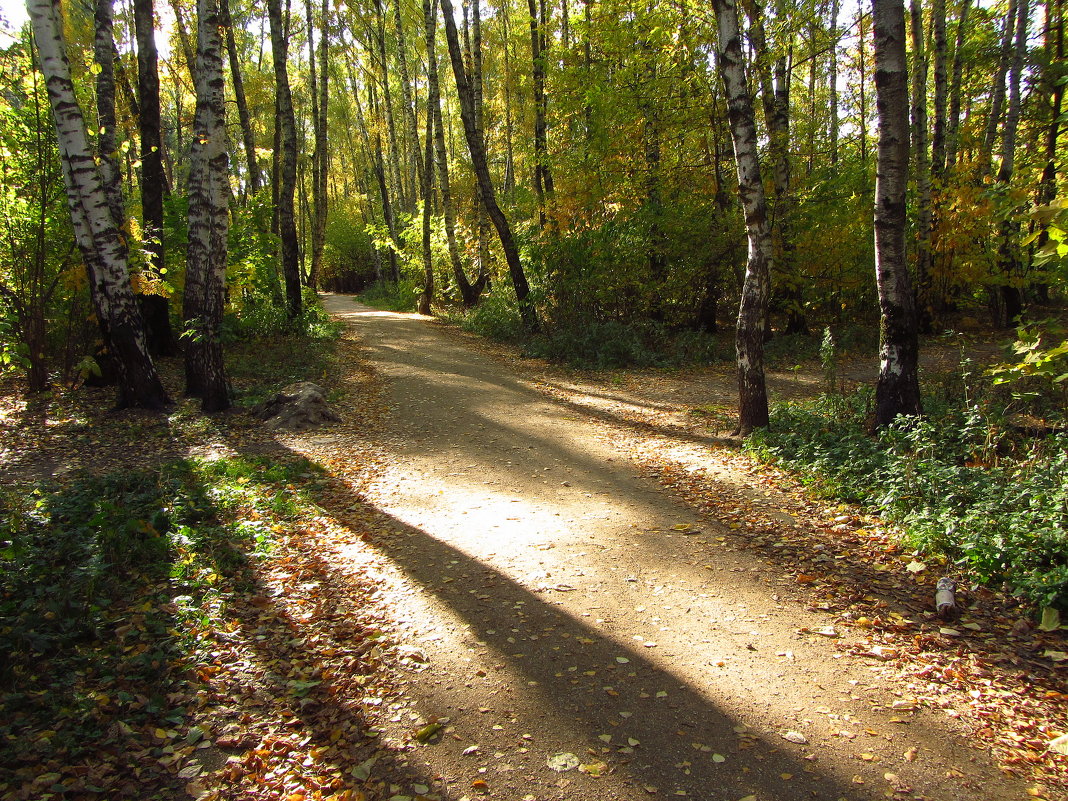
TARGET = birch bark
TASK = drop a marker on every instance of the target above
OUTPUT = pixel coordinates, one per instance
(753, 306)
(287, 179)
(97, 233)
(205, 376)
(897, 391)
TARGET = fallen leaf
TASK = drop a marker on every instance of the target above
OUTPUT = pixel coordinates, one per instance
(1059, 744)
(794, 737)
(427, 732)
(1051, 619)
(595, 769)
(562, 762)
(718, 758)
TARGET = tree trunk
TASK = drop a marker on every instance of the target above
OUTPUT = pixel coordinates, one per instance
(752, 309)
(997, 101)
(395, 157)
(862, 38)
(1055, 56)
(155, 307)
(832, 80)
(477, 92)
(426, 297)
(898, 390)
(317, 83)
(416, 167)
(183, 38)
(205, 376)
(248, 135)
(485, 183)
(953, 122)
(542, 175)
(379, 169)
(322, 145)
(924, 220)
(469, 294)
(509, 150)
(938, 127)
(1011, 306)
(287, 183)
(775, 95)
(107, 144)
(96, 231)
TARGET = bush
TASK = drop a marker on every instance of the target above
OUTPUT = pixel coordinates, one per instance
(496, 317)
(957, 482)
(260, 317)
(389, 296)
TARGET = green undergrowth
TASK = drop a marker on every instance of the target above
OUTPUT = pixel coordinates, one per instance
(960, 483)
(105, 583)
(398, 296)
(256, 316)
(594, 344)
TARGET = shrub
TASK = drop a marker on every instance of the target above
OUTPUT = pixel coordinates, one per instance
(957, 482)
(389, 296)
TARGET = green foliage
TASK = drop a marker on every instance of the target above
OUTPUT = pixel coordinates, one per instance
(956, 482)
(37, 289)
(104, 580)
(389, 296)
(258, 318)
(348, 253)
(252, 271)
(496, 317)
(1037, 358)
(1051, 238)
(612, 344)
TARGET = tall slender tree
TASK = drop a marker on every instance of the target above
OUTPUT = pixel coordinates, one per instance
(153, 183)
(477, 150)
(248, 135)
(469, 293)
(205, 275)
(898, 390)
(753, 307)
(924, 194)
(1011, 305)
(287, 168)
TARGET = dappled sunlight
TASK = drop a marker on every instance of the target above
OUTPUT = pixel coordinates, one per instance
(548, 580)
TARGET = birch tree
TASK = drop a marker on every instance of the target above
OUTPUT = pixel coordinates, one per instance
(205, 275)
(96, 231)
(898, 390)
(753, 307)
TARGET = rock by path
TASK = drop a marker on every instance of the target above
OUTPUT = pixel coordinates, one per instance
(559, 602)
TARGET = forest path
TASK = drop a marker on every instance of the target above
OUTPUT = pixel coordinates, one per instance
(559, 601)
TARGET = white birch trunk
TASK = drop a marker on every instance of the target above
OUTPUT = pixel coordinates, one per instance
(752, 309)
(96, 231)
(208, 221)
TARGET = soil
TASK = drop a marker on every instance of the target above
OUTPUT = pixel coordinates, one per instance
(586, 619)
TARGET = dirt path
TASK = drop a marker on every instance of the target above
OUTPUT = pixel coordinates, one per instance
(557, 601)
